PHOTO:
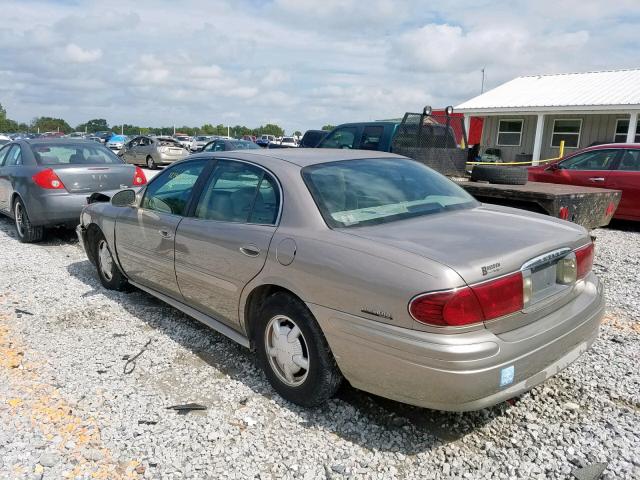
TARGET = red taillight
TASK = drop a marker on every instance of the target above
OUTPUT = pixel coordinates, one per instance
(501, 296)
(453, 308)
(611, 208)
(139, 177)
(584, 259)
(467, 305)
(48, 179)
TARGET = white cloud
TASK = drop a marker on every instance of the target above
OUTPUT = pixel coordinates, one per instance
(76, 54)
(302, 63)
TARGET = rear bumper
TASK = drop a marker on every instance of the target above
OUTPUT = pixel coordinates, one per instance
(167, 159)
(467, 371)
(59, 208)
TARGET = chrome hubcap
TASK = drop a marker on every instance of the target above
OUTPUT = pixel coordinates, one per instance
(287, 350)
(149, 162)
(105, 259)
(19, 219)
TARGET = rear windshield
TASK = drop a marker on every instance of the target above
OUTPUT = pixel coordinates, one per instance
(169, 142)
(244, 145)
(373, 191)
(73, 154)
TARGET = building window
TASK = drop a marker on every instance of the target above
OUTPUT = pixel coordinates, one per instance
(622, 127)
(509, 133)
(567, 130)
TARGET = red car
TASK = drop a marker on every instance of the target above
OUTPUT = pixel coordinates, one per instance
(614, 165)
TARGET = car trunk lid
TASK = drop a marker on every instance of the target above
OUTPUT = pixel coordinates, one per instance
(94, 178)
(488, 242)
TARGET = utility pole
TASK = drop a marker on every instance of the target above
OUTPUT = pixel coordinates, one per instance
(482, 85)
(227, 130)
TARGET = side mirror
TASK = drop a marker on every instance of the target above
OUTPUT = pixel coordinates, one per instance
(124, 198)
(553, 167)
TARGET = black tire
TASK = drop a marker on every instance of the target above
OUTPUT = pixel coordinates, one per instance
(110, 275)
(151, 163)
(27, 233)
(499, 174)
(322, 378)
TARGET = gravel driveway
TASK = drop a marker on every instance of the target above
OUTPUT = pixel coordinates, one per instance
(86, 376)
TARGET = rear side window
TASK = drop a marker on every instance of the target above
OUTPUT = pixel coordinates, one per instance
(14, 157)
(629, 162)
(340, 138)
(371, 138)
(74, 154)
(3, 154)
(239, 192)
(170, 191)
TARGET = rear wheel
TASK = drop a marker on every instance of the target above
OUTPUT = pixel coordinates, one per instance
(151, 163)
(294, 352)
(110, 275)
(27, 233)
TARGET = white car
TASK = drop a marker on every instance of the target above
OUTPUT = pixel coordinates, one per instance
(184, 140)
(199, 141)
(288, 142)
(4, 140)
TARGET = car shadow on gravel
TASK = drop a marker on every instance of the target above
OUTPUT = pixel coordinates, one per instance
(624, 225)
(390, 425)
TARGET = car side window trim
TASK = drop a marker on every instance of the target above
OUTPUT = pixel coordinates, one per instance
(265, 172)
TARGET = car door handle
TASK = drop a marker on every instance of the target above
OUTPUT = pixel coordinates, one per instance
(596, 179)
(165, 234)
(250, 250)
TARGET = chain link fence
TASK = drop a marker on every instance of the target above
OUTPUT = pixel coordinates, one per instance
(438, 141)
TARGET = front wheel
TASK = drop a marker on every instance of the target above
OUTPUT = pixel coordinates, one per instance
(151, 163)
(294, 352)
(27, 233)
(110, 275)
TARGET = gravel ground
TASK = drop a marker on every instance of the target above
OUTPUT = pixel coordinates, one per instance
(77, 402)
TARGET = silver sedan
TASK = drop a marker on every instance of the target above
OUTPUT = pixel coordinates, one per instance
(355, 265)
(153, 151)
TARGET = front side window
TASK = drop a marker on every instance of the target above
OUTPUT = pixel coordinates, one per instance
(509, 133)
(73, 154)
(372, 191)
(340, 138)
(622, 127)
(594, 160)
(239, 192)
(567, 130)
(170, 191)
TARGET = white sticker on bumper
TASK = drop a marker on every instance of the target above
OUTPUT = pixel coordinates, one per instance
(506, 375)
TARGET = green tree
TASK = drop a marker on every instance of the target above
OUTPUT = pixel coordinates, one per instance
(297, 133)
(96, 125)
(328, 127)
(50, 124)
(207, 129)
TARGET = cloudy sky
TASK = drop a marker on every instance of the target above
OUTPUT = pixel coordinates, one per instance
(299, 63)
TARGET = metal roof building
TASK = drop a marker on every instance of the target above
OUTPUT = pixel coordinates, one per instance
(530, 115)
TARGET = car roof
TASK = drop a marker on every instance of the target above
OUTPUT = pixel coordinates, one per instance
(304, 157)
(613, 145)
(358, 124)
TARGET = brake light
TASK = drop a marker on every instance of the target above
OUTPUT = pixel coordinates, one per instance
(48, 179)
(452, 308)
(584, 258)
(611, 208)
(501, 296)
(139, 177)
(468, 305)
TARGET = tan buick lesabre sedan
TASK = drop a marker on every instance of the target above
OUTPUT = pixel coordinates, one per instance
(356, 265)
